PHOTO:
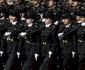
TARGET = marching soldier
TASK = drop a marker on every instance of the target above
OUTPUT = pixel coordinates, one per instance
(39, 8)
(76, 6)
(54, 7)
(77, 18)
(3, 3)
(2, 31)
(32, 41)
(81, 45)
(13, 29)
(49, 41)
(68, 42)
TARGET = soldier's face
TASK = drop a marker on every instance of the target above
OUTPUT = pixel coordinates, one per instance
(51, 3)
(35, 2)
(29, 20)
(75, 3)
(78, 18)
(66, 21)
(48, 20)
(2, 1)
(70, 1)
(22, 14)
(16, 0)
(12, 18)
(82, 19)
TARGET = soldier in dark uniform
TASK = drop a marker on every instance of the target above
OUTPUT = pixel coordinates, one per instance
(49, 41)
(81, 45)
(2, 31)
(38, 7)
(68, 42)
(13, 29)
(18, 3)
(54, 7)
(32, 41)
(2, 3)
(76, 5)
(77, 18)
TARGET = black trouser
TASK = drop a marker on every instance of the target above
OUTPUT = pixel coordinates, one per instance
(45, 64)
(67, 59)
(29, 53)
(12, 56)
(81, 62)
(1, 64)
(28, 63)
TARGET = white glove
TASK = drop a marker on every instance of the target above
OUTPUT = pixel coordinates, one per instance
(43, 20)
(1, 52)
(18, 54)
(56, 23)
(83, 24)
(60, 34)
(36, 55)
(23, 33)
(7, 34)
(73, 54)
(50, 53)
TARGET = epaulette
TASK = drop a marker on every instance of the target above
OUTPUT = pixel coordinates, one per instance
(42, 3)
(83, 8)
(20, 24)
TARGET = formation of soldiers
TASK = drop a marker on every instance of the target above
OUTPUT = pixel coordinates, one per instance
(42, 35)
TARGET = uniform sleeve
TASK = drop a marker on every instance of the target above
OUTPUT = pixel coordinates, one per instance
(38, 40)
(55, 40)
(17, 31)
(75, 41)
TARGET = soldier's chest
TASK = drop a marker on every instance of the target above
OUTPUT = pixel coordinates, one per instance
(46, 32)
(81, 31)
(13, 27)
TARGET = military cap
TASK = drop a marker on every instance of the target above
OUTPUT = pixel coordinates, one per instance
(66, 16)
(82, 13)
(2, 9)
(77, 13)
(30, 14)
(49, 14)
(23, 9)
(14, 12)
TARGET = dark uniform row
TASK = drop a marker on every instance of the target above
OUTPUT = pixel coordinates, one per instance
(36, 36)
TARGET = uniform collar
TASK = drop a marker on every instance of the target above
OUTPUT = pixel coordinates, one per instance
(83, 24)
(14, 23)
(30, 25)
(79, 21)
(2, 18)
(22, 18)
(48, 25)
(68, 25)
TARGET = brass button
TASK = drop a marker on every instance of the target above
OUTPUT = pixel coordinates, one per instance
(65, 41)
(80, 41)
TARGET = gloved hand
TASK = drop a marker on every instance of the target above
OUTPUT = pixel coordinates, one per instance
(82, 24)
(23, 34)
(73, 54)
(60, 34)
(7, 34)
(36, 55)
(1, 53)
(43, 20)
(18, 54)
(56, 23)
(50, 53)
